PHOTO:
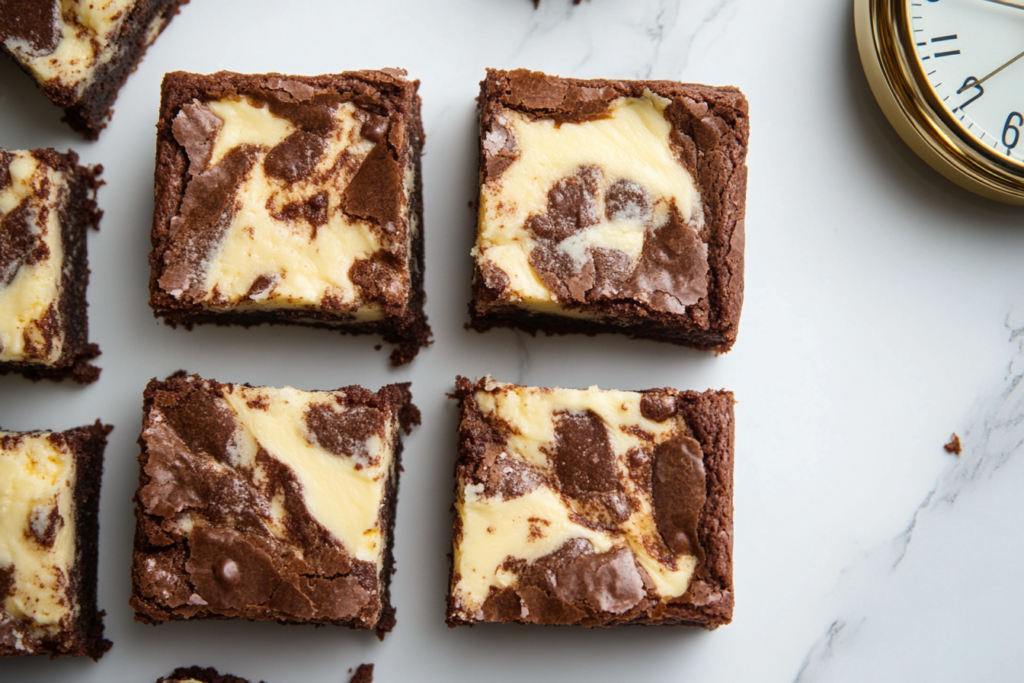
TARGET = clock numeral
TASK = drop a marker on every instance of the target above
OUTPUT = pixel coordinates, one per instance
(944, 53)
(1010, 127)
(970, 82)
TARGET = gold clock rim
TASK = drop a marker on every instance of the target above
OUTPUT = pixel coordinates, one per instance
(917, 116)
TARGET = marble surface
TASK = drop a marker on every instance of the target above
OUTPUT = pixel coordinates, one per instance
(884, 310)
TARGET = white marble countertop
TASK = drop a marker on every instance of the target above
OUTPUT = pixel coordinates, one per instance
(884, 310)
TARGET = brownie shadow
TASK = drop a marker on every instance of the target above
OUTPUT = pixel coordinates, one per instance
(450, 199)
(34, 116)
(907, 173)
(573, 360)
(423, 532)
(592, 653)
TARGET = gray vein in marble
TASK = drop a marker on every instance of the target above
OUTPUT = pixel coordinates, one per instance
(822, 650)
(994, 437)
(657, 35)
(710, 18)
(903, 540)
(545, 19)
(672, 35)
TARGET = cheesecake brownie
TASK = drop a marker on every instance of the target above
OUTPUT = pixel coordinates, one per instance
(592, 507)
(49, 540)
(291, 199)
(47, 203)
(80, 52)
(267, 504)
(610, 206)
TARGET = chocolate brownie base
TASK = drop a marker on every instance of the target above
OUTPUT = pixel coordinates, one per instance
(577, 497)
(372, 198)
(708, 138)
(76, 216)
(87, 109)
(264, 540)
(83, 635)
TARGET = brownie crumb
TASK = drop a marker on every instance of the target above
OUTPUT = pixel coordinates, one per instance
(953, 445)
(363, 674)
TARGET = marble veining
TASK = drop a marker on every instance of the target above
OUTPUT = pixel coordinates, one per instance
(991, 440)
(873, 326)
(661, 35)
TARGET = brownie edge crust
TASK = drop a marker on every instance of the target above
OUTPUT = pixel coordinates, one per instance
(314, 216)
(591, 507)
(642, 236)
(268, 504)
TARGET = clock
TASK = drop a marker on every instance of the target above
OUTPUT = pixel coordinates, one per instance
(949, 75)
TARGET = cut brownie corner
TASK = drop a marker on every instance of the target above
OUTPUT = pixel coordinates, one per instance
(327, 186)
(590, 507)
(648, 244)
(44, 264)
(256, 529)
(81, 53)
(53, 585)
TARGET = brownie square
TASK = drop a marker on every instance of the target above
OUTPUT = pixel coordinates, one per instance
(47, 203)
(49, 541)
(610, 206)
(80, 52)
(268, 504)
(291, 200)
(590, 507)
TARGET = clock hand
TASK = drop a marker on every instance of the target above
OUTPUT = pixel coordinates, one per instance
(1008, 3)
(979, 82)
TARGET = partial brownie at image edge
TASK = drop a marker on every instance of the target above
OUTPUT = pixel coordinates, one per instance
(573, 580)
(255, 529)
(32, 30)
(599, 289)
(45, 184)
(79, 632)
(198, 674)
(373, 190)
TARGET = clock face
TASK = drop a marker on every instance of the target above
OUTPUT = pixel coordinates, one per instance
(961, 45)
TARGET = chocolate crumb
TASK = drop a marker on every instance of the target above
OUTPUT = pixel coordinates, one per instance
(363, 674)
